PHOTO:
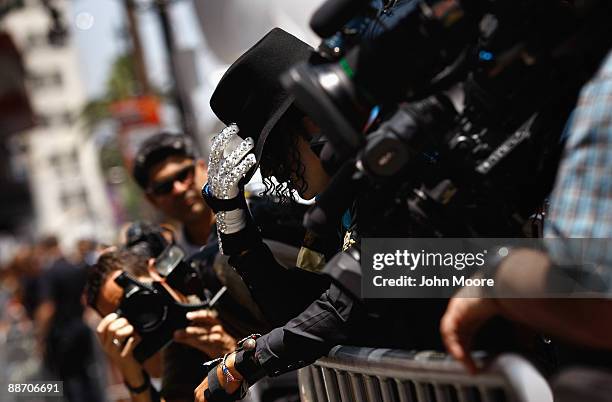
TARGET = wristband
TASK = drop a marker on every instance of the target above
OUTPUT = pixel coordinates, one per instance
(248, 367)
(226, 371)
(236, 243)
(218, 204)
(142, 388)
(216, 393)
(245, 361)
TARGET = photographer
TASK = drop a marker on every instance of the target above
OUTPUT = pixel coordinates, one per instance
(180, 364)
(202, 274)
(205, 274)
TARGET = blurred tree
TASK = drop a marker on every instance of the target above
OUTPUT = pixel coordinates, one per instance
(122, 187)
(121, 84)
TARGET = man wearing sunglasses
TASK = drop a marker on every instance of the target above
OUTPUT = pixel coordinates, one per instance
(169, 171)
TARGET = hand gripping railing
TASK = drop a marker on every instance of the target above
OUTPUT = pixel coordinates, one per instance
(352, 374)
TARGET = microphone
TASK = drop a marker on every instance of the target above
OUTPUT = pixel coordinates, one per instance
(334, 14)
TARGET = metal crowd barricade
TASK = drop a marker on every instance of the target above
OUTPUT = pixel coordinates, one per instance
(352, 374)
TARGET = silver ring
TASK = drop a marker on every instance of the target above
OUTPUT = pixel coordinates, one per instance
(117, 342)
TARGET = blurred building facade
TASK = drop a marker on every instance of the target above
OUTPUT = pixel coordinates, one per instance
(15, 116)
(60, 158)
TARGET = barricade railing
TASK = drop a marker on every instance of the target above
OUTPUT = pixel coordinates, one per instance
(352, 374)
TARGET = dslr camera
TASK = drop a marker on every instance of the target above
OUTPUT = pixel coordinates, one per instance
(155, 309)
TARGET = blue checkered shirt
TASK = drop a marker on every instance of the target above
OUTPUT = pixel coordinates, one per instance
(581, 201)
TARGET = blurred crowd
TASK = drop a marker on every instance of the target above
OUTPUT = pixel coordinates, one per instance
(45, 329)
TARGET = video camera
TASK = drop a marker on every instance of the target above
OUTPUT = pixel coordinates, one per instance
(455, 114)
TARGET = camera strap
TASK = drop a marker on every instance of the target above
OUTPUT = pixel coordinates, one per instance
(215, 391)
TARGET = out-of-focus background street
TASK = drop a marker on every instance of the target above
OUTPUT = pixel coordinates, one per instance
(83, 83)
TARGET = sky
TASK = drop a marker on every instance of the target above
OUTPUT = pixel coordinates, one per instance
(96, 26)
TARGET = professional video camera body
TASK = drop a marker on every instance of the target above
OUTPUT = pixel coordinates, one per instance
(477, 165)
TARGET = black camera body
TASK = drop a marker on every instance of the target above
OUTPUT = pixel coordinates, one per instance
(150, 307)
(153, 312)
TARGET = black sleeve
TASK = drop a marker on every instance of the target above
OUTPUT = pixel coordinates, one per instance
(338, 319)
(331, 320)
(280, 293)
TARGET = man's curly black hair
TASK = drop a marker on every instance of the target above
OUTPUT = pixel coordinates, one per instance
(111, 261)
(281, 158)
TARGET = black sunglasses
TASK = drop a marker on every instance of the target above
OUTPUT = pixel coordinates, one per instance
(165, 187)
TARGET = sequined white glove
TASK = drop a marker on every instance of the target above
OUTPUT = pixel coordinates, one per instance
(230, 160)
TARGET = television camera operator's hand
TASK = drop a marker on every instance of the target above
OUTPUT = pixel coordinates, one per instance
(118, 340)
(229, 164)
(229, 387)
(463, 318)
(206, 334)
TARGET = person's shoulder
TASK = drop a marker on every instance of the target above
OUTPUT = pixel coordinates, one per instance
(600, 85)
(589, 123)
(605, 71)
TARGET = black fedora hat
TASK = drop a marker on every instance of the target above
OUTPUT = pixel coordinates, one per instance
(250, 93)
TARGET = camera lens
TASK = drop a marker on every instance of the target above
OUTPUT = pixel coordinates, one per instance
(144, 312)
